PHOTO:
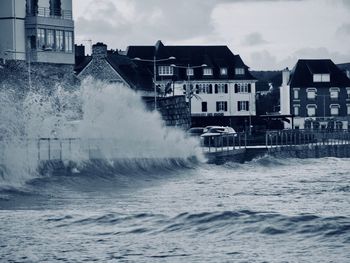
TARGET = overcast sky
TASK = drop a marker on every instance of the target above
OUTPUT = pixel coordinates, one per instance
(268, 34)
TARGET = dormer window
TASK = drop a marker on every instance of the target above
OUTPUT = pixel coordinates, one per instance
(321, 77)
(165, 70)
(223, 71)
(207, 71)
(239, 71)
(189, 72)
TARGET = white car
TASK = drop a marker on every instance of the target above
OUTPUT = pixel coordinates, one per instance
(218, 136)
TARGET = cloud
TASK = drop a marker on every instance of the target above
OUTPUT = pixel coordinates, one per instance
(262, 60)
(147, 21)
(343, 30)
(126, 22)
(254, 39)
(346, 3)
(315, 53)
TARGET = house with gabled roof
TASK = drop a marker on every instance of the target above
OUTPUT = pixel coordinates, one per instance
(113, 67)
(218, 84)
(317, 93)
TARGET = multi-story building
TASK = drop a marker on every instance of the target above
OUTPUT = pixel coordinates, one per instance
(37, 31)
(317, 93)
(218, 84)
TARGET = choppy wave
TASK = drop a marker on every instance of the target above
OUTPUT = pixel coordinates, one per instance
(208, 223)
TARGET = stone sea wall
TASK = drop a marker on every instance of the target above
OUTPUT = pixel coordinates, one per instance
(312, 151)
(174, 110)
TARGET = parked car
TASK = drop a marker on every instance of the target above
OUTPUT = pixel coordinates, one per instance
(195, 131)
(217, 136)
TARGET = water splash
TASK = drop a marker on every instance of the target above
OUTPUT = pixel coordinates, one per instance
(110, 119)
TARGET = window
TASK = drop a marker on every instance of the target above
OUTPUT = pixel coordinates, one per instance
(334, 93)
(334, 109)
(322, 77)
(50, 39)
(223, 71)
(243, 105)
(207, 72)
(221, 106)
(204, 88)
(239, 71)
(55, 7)
(311, 93)
(296, 94)
(243, 88)
(221, 88)
(189, 72)
(41, 38)
(311, 110)
(296, 110)
(348, 93)
(339, 125)
(68, 41)
(165, 70)
(204, 106)
(348, 109)
(59, 40)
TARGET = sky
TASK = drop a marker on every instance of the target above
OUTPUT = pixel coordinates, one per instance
(268, 34)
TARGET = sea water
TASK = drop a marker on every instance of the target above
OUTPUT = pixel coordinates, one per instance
(167, 208)
(267, 210)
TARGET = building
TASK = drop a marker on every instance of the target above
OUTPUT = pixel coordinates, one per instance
(317, 93)
(218, 84)
(37, 31)
(113, 67)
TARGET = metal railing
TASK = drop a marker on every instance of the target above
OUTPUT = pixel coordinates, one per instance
(286, 138)
(49, 12)
(223, 142)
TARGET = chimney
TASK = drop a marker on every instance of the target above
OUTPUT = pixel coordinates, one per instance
(99, 51)
(285, 76)
(80, 51)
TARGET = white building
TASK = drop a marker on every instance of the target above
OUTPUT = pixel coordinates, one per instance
(221, 88)
(37, 31)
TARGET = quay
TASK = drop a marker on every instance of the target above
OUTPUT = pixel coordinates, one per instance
(284, 144)
(57, 155)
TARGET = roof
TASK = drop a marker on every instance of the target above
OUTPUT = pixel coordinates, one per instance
(137, 77)
(215, 57)
(262, 85)
(302, 74)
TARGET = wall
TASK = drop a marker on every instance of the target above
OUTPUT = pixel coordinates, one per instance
(12, 30)
(174, 110)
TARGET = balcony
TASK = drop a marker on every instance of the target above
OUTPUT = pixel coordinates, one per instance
(53, 13)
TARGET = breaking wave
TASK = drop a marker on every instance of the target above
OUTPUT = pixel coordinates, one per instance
(106, 122)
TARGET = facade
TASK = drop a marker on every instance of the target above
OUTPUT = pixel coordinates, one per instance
(217, 82)
(317, 93)
(37, 31)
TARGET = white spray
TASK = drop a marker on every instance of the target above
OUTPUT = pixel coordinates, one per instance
(108, 119)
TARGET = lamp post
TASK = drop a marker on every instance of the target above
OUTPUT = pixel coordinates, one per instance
(189, 91)
(154, 61)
